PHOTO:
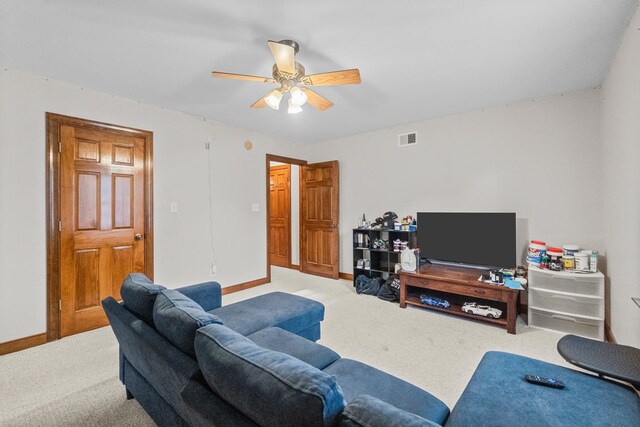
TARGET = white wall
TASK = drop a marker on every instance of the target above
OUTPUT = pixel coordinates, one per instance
(621, 154)
(182, 253)
(540, 159)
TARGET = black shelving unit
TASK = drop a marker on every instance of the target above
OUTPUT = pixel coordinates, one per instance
(382, 262)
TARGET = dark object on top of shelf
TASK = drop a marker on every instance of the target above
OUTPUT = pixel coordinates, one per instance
(388, 218)
(617, 361)
(368, 286)
(377, 222)
(436, 302)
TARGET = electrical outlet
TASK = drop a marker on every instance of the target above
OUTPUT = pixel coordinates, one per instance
(213, 270)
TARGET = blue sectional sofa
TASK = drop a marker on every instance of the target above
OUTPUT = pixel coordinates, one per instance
(189, 361)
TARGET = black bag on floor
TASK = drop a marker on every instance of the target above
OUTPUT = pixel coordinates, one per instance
(388, 292)
(368, 286)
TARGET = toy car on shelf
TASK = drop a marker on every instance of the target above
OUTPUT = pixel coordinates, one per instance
(433, 301)
(481, 310)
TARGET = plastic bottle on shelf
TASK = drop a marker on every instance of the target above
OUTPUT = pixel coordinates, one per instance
(555, 259)
(593, 261)
(535, 250)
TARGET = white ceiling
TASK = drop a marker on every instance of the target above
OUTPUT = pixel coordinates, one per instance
(418, 59)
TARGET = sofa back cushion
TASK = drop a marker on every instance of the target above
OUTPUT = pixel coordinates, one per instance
(178, 317)
(139, 294)
(271, 388)
(368, 411)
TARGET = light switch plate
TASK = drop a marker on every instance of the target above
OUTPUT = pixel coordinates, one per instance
(255, 207)
(173, 207)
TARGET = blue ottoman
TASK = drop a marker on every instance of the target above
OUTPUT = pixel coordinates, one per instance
(292, 313)
(498, 395)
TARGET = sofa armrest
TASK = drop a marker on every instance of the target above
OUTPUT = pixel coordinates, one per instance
(368, 411)
(207, 294)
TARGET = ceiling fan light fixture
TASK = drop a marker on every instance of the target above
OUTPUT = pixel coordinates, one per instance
(273, 99)
(293, 108)
(297, 96)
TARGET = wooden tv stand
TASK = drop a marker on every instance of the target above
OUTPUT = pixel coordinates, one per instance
(458, 285)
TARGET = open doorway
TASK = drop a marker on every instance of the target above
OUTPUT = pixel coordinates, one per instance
(284, 215)
(283, 212)
(302, 215)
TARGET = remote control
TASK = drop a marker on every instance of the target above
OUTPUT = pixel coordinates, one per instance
(548, 382)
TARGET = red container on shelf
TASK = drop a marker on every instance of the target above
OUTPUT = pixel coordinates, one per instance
(555, 258)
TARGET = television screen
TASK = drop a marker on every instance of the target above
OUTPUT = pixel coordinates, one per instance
(484, 239)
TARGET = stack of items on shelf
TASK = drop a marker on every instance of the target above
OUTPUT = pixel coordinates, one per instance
(364, 264)
(380, 249)
(511, 278)
(361, 240)
(408, 224)
(560, 299)
(399, 245)
(568, 258)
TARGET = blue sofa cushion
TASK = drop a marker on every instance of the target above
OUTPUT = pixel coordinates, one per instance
(367, 411)
(271, 388)
(356, 378)
(208, 295)
(138, 294)
(166, 368)
(498, 383)
(290, 312)
(289, 343)
(177, 318)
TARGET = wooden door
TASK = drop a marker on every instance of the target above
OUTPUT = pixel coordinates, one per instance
(280, 215)
(319, 245)
(102, 221)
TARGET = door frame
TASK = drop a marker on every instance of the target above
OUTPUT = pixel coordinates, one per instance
(53, 123)
(282, 159)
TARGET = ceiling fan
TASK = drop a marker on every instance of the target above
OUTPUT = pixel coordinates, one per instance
(291, 76)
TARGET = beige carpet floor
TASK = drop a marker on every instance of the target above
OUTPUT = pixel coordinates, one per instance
(74, 381)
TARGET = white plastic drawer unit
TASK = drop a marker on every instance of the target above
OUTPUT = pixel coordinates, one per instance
(581, 305)
(577, 325)
(562, 281)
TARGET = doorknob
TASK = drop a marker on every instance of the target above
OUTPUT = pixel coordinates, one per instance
(138, 236)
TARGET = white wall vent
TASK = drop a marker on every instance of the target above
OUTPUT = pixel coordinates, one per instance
(407, 139)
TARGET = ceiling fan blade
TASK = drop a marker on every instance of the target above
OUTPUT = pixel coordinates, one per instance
(344, 77)
(316, 101)
(260, 103)
(242, 77)
(284, 56)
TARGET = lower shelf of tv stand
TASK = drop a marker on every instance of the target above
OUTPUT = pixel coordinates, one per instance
(458, 285)
(455, 310)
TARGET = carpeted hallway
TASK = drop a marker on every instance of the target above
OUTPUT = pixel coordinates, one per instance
(74, 381)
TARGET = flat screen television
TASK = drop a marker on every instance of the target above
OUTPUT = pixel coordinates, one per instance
(477, 239)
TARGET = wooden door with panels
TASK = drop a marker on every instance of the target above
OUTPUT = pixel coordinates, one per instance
(105, 218)
(280, 215)
(319, 222)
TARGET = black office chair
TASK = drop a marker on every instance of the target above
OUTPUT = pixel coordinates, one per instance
(606, 359)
